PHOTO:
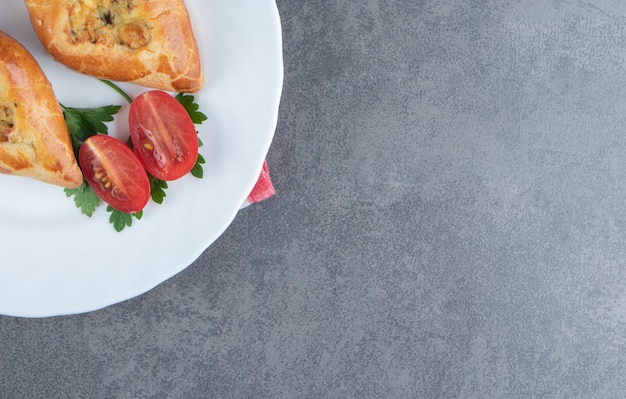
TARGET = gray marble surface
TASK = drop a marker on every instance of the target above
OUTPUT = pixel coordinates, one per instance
(450, 223)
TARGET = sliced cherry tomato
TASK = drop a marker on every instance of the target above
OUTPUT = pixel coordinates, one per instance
(163, 135)
(115, 173)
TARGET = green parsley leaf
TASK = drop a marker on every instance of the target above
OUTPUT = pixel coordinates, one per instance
(120, 220)
(197, 117)
(192, 108)
(157, 189)
(197, 170)
(83, 123)
(84, 198)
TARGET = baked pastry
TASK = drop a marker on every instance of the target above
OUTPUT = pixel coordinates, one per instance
(34, 140)
(147, 42)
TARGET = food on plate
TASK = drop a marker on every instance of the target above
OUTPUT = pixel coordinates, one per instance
(163, 135)
(162, 127)
(146, 42)
(114, 173)
(34, 140)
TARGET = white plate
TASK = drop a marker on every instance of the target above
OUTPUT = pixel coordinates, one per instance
(56, 261)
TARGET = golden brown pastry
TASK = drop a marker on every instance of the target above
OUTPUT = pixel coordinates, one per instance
(147, 42)
(34, 140)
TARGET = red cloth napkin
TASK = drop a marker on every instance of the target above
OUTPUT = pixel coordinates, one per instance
(263, 188)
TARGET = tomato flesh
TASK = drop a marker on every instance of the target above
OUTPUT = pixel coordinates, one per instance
(114, 173)
(163, 135)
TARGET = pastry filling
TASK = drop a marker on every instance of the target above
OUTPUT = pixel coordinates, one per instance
(6, 124)
(108, 22)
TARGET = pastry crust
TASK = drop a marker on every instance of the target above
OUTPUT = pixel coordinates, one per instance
(34, 140)
(146, 42)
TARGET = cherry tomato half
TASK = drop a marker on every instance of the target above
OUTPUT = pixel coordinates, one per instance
(114, 172)
(163, 135)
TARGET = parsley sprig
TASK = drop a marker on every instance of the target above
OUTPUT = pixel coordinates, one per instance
(157, 189)
(84, 198)
(121, 220)
(197, 117)
(83, 123)
(192, 108)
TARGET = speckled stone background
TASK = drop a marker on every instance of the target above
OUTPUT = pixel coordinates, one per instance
(450, 223)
